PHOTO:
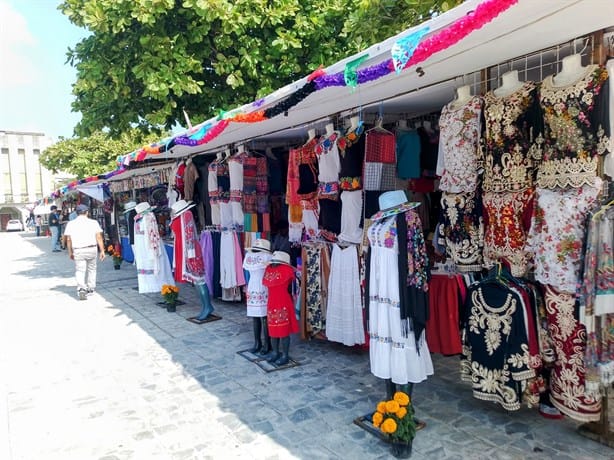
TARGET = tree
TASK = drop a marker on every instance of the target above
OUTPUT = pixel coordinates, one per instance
(147, 60)
(91, 155)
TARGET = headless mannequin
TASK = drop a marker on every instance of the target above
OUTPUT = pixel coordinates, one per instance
(463, 95)
(509, 84)
(402, 124)
(240, 149)
(219, 156)
(571, 72)
(330, 129)
(269, 153)
(427, 125)
(354, 121)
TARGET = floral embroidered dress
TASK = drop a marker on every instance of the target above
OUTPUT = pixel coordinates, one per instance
(459, 136)
(257, 294)
(512, 123)
(394, 350)
(280, 307)
(188, 255)
(576, 129)
(557, 233)
(152, 265)
(495, 350)
(329, 166)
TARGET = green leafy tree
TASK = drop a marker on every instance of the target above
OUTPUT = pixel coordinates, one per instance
(95, 154)
(147, 60)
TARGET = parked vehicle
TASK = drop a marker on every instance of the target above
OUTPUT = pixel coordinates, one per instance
(14, 225)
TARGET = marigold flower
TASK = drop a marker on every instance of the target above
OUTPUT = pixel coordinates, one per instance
(381, 407)
(389, 426)
(402, 412)
(401, 398)
(392, 406)
(377, 419)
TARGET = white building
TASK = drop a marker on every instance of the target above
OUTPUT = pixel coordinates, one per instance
(22, 178)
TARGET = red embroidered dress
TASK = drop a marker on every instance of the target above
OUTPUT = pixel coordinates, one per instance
(280, 306)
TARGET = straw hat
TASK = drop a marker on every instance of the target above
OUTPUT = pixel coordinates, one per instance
(129, 206)
(181, 206)
(142, 207)
(392, 203)
(281, 257)
(261, 245)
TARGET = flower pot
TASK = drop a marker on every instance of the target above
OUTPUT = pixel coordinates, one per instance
(400, 449)
(171, 307)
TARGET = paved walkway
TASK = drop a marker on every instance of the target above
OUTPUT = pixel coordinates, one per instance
(117, 377)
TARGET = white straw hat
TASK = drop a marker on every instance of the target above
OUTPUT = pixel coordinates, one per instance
(180, 207)
(142, 207)
(129, 206)
(281, 257)
(261, 245)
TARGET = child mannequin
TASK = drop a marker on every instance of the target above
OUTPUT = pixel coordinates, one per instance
(281, 317)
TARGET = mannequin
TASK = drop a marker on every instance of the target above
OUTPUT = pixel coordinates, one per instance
(330, 129)
(188, 256)
(354, 121)
(427, 125)
(255, 262)
(463, 95)
(281, 317)
(240, 149)
(311, 135)
(402, 124)
(509, 84)
(219, 156)
(572, 71)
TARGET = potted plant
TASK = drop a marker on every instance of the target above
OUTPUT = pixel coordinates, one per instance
(170, 294)
(395, 418)
(115, 252)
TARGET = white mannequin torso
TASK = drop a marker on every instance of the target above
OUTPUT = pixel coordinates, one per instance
(463, 95)
(402, 124)
(330, 129)
(509, 84)
(311, 134)
(572, 71)
(354, 123)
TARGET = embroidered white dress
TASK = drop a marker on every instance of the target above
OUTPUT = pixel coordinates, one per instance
(257, 294)
(392, 356)
(344, 322)
(152, 265)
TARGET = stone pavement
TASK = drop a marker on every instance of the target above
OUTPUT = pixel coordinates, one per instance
(117, 377)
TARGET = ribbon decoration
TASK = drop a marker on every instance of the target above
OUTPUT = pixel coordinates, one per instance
(350, 76)
(403, 49)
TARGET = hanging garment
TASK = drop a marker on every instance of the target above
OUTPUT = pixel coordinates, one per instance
(496, 351)
(190, 175)
(228, 274)
(512, 125)
(351, 216)
(558, 229)
(344, 316)
(459, 137)
(395, 352)
(213, 193)
(576, 130)
(257, 294)
(315, 272)
(179, 180)
(152, 265)
(507, 218)
(281, 317)
(442, 328)
(567, 379)
(461, 229)
(206, 243)
(408, 154)
(352, 154)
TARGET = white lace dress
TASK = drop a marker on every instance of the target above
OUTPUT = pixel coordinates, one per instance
(344, 321)
(257, 294)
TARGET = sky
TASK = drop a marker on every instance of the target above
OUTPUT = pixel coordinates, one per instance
(35, 82)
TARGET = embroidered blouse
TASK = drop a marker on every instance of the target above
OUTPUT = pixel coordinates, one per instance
(576, 130)
(459, 136)
(511, 124)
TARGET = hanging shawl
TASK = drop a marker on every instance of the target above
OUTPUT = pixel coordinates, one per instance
(152, 238)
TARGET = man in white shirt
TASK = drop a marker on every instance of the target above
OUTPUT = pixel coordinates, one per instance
(84, 242)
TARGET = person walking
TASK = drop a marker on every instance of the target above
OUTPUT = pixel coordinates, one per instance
(38, 223)
(54, 228)
(83, 235)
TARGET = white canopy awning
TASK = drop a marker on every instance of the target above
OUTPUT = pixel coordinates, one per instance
(525, 28)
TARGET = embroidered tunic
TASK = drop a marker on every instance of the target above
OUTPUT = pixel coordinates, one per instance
(153, 267)
(459, 136)
(257, 294)
(511, 125)
(576, 129)
(495, 350)
(280, 307)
